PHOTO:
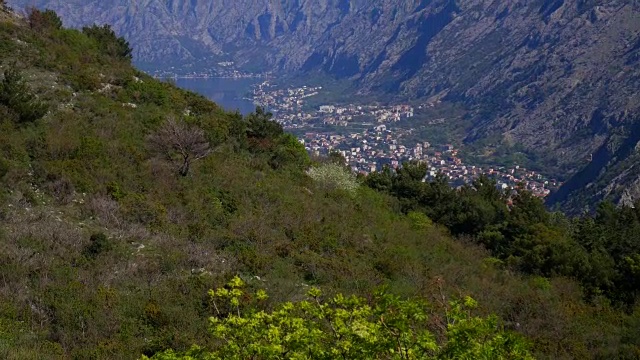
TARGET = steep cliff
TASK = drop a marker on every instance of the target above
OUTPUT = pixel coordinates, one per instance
(561, 78)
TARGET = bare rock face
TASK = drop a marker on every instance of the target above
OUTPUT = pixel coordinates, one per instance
(561, 78)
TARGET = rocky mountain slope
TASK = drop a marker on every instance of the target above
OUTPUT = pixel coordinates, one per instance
(124, 199)
(561, 78)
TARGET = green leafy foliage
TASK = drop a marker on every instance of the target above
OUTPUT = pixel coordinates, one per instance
(16, 95)
(266, 137)
(99, 243)
(612, 240)
(260, 125)
(108, 42)
(383, 327)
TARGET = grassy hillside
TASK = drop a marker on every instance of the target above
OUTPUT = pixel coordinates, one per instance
(124, 199)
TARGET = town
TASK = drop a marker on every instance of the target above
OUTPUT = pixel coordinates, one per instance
(222, 69)
(378, 143)
(376, 148)
(290, 109)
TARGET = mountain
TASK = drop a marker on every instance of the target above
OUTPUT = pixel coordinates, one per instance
(559, 79)
(124, 199)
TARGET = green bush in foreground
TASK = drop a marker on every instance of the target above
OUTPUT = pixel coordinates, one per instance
(385, 327)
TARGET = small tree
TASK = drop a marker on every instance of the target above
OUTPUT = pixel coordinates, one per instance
(260, 125)
(16, 95)
(108, 41)
(180, 143)
(43, 20)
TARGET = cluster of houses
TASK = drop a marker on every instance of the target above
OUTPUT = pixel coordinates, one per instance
(286, 104)
(288, 107)
(224, 69)
(342, 116)
(378, 147)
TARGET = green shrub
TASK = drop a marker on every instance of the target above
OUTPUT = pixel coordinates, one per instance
(84, 79)
(16, 95)
(419, 220)
(289, 151)
(99, 243)
(384, 327)
(260, 125)
(108, 42)
(148, 91)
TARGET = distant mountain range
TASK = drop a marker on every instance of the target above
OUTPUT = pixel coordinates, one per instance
(560, 78)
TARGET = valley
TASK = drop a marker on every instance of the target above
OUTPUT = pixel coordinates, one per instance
(373, 136)
(557, 80)
(387, 202)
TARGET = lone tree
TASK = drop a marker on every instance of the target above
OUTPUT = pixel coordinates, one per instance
(180, 144)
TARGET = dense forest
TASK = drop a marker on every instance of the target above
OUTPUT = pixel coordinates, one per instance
(141, 220)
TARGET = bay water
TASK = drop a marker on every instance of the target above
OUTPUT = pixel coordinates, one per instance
(230, 93)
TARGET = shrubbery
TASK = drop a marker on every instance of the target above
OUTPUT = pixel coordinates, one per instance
(18, 98)
(381, 327)
(594, 250)
(266, 137)
(108, 42)
(98, 244)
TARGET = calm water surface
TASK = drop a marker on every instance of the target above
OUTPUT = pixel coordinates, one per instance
(228, 93)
